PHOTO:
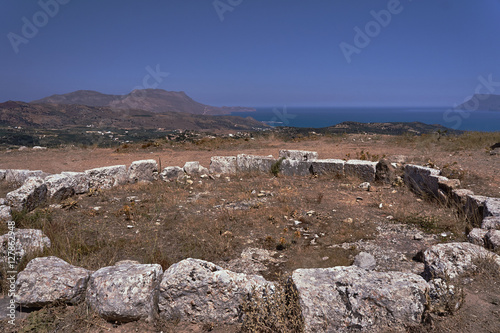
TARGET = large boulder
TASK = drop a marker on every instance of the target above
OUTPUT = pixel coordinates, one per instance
(251, 163)
(32, 194)
(328, 166)
(50, 279)
(295, 168)
(81, 181)
(26, 241)
(125, 292)
(60, 186)
(143, 171)
(200, 291)
(298, 155)
(223, 165)
(449, 261)
(365, 170)
(107, 177)
(172, 173)
(15, 176)
(346, 299)
(5, 213)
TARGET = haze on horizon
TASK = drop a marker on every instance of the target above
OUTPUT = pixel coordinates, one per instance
(254, 53)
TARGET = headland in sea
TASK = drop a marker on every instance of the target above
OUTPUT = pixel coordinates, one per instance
(318, 117)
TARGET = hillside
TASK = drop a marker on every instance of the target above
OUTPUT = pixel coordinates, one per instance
(59, 116)
(481, 102)
(153, 100)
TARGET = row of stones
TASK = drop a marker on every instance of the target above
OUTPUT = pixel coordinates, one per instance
(38, 187)
(293, 163)
(331, 299)
(482, 211)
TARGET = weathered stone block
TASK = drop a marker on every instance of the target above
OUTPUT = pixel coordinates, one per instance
(299, 155)
(444, 296)
(5, 213)
(328, 166)
(491, 222)
(250, 163)
(492, 239)
(295, 168)
(194, 168)
(223, 165)
(200, 291)
(60, 186)
(30, 195)
(48, 280)
(16, 176)
(107, 177)
(172, 173)
(125, 292)
(385, 172)
(492, 207)
(476, 236)
(81, 181)
(474, 209)
(459, 196)
(346, 299)
(26, 241)
(422, 180)
(143, 171)
(450, 260)
(363, 169)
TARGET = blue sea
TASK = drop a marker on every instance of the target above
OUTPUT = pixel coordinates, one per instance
(317, 117)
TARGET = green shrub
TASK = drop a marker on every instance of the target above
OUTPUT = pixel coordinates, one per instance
(275, 168)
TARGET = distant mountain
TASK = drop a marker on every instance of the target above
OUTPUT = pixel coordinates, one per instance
(60, 116)
(153, 100)
(481, 102)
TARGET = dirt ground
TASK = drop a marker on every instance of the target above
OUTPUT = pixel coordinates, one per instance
(257, 223)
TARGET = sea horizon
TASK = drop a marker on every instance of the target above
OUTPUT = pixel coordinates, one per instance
(318, 117)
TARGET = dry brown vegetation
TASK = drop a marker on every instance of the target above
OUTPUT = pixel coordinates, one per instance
(301, 219)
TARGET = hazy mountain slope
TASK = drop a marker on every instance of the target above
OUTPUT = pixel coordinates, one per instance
(154, 100)
(59, 116)
(481, 102)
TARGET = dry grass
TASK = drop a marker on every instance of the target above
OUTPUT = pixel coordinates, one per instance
(277, 310)
(429, 215)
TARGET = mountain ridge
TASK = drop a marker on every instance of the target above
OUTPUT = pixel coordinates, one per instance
(487, 102)
(153, 100)
(59, 116)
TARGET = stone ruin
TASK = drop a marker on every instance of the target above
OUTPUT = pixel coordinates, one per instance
(336, 299)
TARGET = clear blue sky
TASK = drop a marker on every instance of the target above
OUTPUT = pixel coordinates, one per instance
(263, 52)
